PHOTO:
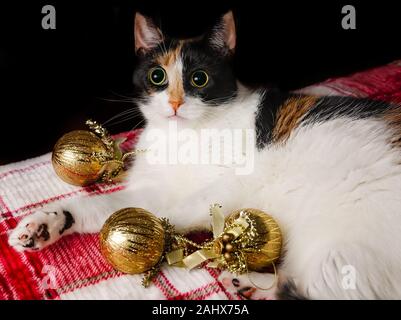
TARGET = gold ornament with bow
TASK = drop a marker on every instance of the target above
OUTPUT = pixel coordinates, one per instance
(248, 240)
(83, 157)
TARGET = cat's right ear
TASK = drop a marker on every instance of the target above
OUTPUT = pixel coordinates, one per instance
(147, 35)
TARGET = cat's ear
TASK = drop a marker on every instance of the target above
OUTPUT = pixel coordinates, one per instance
(223, 36)
(147, 35)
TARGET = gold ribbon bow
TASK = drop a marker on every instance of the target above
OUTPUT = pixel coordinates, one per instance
(211, 250)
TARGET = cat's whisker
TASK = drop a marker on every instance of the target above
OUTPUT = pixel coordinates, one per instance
(123, 120)
(121, 95)
(116, 100)
(139, 123)
(121, 113)
(126, 113)
(223, 100)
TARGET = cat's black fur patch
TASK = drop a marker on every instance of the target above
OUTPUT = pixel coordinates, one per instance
(43, 232)
(235, 282)
(30, 243)
(332, 107)
(288, 291)
(222, 85)
(147, 61)
(69, 221)
(326, 108)
(265, 118)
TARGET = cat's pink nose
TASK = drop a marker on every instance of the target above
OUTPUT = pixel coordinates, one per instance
(175, 104)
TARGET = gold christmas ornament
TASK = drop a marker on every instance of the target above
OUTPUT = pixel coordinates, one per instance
(264, 247)
(83, 157)
(248, 240)
(132, 240)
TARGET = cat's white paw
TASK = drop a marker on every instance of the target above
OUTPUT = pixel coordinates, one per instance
(40, 229)
(249, 286)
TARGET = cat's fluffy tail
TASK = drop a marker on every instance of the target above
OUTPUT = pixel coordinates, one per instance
(287, 290)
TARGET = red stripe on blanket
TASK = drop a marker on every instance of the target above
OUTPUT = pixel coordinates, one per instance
(215, 274)
(165, 286)
(24, 170)
(5, 214)
(93, 190)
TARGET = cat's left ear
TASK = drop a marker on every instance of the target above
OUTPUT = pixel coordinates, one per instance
(147, 35)
(223, 36)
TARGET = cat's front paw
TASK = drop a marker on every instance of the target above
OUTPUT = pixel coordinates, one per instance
(249, 286)
(40, 229)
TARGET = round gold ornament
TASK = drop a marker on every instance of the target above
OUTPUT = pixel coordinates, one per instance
(83, 157)
(132, 240)
(73, 157)
(265, 247)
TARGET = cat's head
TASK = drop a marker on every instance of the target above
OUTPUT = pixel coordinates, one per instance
(185, 80)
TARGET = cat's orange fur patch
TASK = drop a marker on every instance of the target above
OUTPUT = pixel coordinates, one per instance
(170, 57)
(393, 118)
(168, 61)
(290, 115)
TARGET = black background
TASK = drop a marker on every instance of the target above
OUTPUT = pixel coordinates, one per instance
(51, 81)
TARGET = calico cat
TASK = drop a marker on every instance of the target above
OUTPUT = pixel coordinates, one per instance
(327, 168)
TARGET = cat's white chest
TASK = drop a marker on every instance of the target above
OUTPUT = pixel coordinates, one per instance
(163, 181)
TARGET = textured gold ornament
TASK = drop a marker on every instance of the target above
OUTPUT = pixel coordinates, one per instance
(74, 157)
(265, 247)
(133, 240)
(83, 157)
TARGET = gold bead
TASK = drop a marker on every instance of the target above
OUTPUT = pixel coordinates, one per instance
(228, 257)
(227, 237)
(229, 247)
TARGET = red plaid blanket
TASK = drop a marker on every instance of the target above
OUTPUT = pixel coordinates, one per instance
(73, 268)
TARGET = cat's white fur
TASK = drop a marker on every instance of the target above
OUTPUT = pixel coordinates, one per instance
(333, 188)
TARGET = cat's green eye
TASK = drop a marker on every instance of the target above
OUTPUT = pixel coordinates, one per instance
(157, 76)
(199, 79)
